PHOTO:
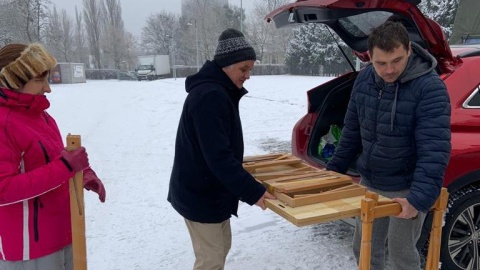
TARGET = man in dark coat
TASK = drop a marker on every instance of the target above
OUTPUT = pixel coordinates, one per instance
(207, 178)
(397, 126)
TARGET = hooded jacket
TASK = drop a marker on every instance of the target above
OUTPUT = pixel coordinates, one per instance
(34, 199)
(399, 131)
(208, 178)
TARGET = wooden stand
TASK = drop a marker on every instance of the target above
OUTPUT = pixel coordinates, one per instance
(371, 208)
(439, 208)
(307, 195)
(296, 184)
(77, 211)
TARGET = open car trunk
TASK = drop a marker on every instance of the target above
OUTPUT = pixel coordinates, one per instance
(352, 21)
(328, 102)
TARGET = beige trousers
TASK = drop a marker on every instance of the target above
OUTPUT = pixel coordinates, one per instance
(211, 243)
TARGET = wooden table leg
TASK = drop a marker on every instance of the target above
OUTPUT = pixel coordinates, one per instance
(371, 208)
(77, 212)
(433, 256)
(367, 216)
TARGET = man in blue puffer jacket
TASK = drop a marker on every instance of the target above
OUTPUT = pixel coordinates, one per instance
(398, 126)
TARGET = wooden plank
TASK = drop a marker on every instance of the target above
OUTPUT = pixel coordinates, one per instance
(307, 184)
(325, 196)
(277, 182)
(252, 166)
(318, 212)
(272, 169)
(77, 212)
(262, 176)
(299, 176)
(309, 193)
(262, 157)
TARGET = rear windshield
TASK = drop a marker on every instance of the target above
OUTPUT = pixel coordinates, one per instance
(361, 25)
(471, 40)
(145, 67)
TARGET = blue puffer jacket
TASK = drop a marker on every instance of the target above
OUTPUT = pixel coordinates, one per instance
(401, 131)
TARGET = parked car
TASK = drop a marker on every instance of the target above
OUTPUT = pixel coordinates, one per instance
(459, 68)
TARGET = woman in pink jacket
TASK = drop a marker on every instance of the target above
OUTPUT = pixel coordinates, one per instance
(35, 228)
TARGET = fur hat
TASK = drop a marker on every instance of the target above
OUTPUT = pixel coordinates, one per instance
(233, 48)
(31, 63)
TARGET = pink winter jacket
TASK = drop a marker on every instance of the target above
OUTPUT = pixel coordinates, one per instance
(34, 198)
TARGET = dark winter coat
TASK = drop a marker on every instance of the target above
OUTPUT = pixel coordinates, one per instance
(207, 177)
(401, 129)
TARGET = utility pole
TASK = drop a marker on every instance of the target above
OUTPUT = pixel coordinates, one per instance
(241, 16)
(174, 67)
(196, 42)
(173, 55)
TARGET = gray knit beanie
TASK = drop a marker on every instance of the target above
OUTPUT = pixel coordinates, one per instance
(233, 48)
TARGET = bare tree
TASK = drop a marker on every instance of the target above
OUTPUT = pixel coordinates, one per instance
(265, 38)
(81, 54)
(130, 45)
(54, 32)
(26, 20)
(94, 24)
(158, 33)
(211, 21)
(7, 27)
(60, 35)
(114, 34)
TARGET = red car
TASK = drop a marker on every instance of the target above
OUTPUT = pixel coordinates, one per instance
(458, 66)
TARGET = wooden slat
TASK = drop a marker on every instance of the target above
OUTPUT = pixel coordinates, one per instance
(252, 166)
(318, 212)
(262, 157)
(77, 212)
(262, 176)
(307, 184)
(300, 176)
(272, 169)
(325, 197)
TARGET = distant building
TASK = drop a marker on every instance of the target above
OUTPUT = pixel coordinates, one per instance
(185, 12)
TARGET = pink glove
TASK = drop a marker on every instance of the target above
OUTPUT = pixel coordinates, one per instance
(75, 160)
(91, 182)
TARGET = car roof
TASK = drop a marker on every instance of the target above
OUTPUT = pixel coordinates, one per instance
(465, 50)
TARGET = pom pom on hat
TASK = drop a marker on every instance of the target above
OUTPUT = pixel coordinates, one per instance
(32, 62)
(233, 48)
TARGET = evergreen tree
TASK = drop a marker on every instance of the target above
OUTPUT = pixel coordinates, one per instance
(313, 51)
(441, 11)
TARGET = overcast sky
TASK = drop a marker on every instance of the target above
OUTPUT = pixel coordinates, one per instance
(135, 12)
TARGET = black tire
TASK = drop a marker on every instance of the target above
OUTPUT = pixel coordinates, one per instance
(461, 234)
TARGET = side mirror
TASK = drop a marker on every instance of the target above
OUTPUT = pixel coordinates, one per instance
(136, 69)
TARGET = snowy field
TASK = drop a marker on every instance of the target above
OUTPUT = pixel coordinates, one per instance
(128, 129)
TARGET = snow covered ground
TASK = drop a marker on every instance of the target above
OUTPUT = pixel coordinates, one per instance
(129, 128)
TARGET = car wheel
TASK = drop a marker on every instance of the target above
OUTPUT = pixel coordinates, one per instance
(461, 233)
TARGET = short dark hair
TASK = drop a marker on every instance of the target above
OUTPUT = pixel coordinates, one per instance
(388, 36)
